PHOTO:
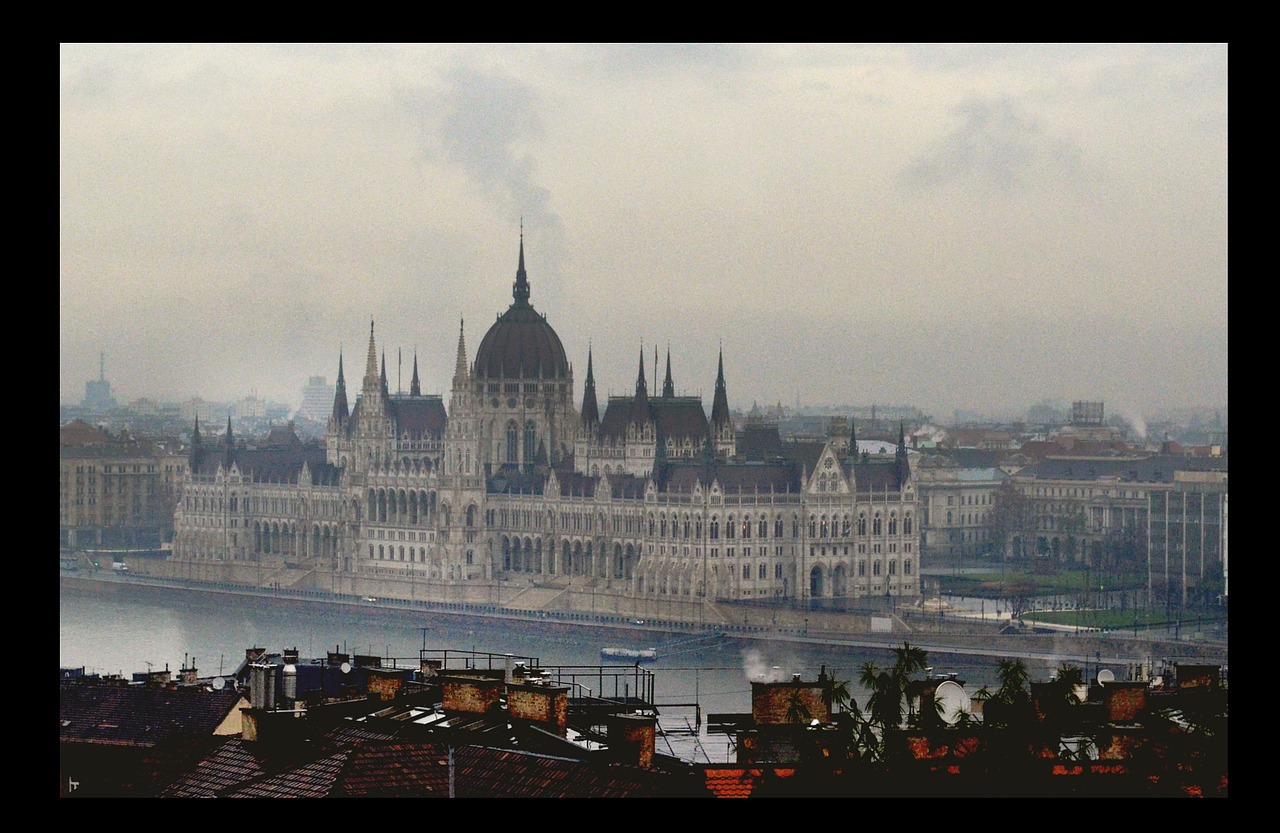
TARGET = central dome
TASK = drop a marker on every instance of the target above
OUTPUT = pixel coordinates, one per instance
(521, 344)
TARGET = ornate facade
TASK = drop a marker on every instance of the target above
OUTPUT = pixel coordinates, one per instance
(516, 488)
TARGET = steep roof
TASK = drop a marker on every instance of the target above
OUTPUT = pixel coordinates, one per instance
(419, 416)
(79, 432)
(676, 417)
(138, 716)
(734, 478)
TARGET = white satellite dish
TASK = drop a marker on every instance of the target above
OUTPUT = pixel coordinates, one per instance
(346, 668)
(219, 684)
(1106, 676)
(952, 700)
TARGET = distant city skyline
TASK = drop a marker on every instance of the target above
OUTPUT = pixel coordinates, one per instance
(960, 227)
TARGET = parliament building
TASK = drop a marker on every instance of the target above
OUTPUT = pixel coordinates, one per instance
(520, 494)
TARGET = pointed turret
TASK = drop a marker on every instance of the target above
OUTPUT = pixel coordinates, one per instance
(852, 456)
(230, 446)
(197, 447)
(460, 363)
(901, 467)
(720, 405)
(340, 410)
(386, 393)
(370, 381)
(668, 386)
(415, 387)
(590, 408)
(640, 410)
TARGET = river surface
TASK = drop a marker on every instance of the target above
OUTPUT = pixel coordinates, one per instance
(124, 629)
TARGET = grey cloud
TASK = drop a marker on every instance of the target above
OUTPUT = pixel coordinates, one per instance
(998, 144)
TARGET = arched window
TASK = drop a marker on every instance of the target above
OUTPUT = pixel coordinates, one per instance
(862, 524)
(876, 527)
(893, 524)
(715, 527)
(906, 526)
(906, 567)
(746, 526)
(875, 569)
(728, 527)
(513, 449)
(777, 527)
(530, 441)
(813, 526)
(763, 527)
(893, 568)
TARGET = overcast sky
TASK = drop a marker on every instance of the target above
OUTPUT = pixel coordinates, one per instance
(973, 227)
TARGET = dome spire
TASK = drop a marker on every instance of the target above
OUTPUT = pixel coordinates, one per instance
(520, 291)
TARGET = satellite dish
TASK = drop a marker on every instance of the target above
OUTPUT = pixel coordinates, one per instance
(1106, 676)
(952, 700)
(346, 668)
(219, 684)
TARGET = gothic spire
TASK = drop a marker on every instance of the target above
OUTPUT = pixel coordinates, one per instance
(590, 408)
(197, 451)
(853, 440)
(520, 290)
(640, 410)
(386, 394)
(720, 405)
(460, 364)
(340, 409)
(370, 364)
(231, 443)
(901, 468)
(415, 387)
(668, 386)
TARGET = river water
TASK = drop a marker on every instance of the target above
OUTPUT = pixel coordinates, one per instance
(123, 628)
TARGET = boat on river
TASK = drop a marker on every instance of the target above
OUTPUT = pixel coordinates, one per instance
(633, 654)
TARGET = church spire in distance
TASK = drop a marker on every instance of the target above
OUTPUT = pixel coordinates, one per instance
(668, 386)
(415, 387)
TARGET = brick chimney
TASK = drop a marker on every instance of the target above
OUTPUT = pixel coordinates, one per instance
(632, 739)
(540, 701)
(469, 694)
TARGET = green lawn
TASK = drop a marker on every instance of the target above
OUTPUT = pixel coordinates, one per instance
(995, 584)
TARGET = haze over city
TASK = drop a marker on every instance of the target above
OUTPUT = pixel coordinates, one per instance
(973, 227)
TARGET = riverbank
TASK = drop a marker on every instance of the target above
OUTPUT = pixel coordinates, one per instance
(939, 635)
